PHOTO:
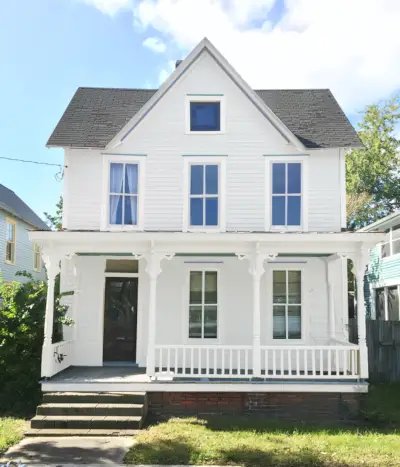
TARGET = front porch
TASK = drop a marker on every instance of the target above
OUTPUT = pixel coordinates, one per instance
(293, 338)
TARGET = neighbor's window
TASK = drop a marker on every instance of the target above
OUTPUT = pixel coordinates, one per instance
(124, 185)
(391, 246)
(37, 260)
(286, 194)
(204, 195)
(10, 241)
(286, 304)
(205, 116)
(387, 297)
(203, 304)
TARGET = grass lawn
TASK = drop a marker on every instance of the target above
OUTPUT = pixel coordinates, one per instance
(250, 442)
(11, 431)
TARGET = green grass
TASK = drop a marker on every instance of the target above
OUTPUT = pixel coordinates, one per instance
(11, 431)
(258, 442)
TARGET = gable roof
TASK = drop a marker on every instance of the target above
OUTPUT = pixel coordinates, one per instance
(14, 205)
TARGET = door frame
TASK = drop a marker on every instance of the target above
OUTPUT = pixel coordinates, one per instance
(123, 275)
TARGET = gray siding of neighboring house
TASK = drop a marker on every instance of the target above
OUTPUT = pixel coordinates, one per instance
(24, 251)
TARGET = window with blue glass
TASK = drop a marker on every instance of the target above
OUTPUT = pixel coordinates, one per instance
(204, 195)
(124, 186)
(205, 116)
(286, 194)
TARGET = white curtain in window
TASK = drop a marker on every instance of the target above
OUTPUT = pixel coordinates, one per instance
(116, 174)
(131, 179)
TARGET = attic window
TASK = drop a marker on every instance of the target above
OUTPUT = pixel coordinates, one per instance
(205, 114)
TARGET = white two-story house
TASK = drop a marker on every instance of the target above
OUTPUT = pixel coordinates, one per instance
(205, 239)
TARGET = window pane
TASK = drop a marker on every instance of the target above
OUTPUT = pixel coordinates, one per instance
(195, 322)
(210, 292)
(278, 210)
(380, 304)
(396, 232)
(196, 287)
(294, 210)
(116, 209)
(396, 247)
(294, 322)
(278, 178)
(211, 211)
(130, 210)
(196, 211)
(279, 324)
(122, 265)
(279, 287)
(131, 178)
(393, 304)
(385, 250)
(10, 231)
(294, 278)
(9, 251)
(116, 176)
(205, 116)
(294, 178)
(196, 179)
(211, 179)
(210, 322)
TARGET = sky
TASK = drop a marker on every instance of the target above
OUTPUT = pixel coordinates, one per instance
(50, 47)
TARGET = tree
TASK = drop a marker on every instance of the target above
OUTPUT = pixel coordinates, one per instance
(373, 171)
(55, 222)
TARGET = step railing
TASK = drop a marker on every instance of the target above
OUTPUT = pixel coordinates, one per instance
(311, 362)
(199, 361)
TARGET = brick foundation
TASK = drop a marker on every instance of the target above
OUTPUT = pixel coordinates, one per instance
(312, 407)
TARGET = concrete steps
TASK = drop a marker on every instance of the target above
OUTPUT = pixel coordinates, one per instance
(89, 414)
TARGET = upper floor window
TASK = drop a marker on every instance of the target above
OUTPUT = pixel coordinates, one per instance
(205, 114)
(37, 261)
(203, 304)
(286, 304)
(286, 194)
(204, 195)
(10, 241)
(391, 246)
(124, 194)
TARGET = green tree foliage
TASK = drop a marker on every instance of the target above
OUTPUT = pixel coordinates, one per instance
(55, 222)
(373, 176)
(22, 310)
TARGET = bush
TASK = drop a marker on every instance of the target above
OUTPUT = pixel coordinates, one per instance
(22, 311)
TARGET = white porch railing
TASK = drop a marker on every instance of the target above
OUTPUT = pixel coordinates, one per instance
(279, 362)
(57, 358)
(214, 361)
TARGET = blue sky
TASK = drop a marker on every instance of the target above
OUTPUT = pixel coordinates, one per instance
(50, 47)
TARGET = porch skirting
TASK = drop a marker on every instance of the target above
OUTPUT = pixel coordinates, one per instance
(311, 407)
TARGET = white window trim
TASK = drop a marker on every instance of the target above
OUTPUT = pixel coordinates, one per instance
(205, 98)
(390, 242)
(105, 212)
(186, 304)
(269, 160)
(14, 259)
(37, 250)
(270, 314)
(209, 160)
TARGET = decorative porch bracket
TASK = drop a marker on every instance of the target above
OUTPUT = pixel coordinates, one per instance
(361, 259)
(153, 259)
(256, 269)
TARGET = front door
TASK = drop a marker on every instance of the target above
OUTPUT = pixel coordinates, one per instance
(120, 319)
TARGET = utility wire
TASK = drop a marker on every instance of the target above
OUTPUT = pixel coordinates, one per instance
(58, 176)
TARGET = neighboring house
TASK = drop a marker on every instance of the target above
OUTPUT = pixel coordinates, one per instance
(383, 277)
(205, 238)
(17, 252)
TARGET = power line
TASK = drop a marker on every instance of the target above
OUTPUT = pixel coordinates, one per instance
(33, 162)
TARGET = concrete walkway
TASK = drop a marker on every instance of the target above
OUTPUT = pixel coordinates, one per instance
(70, 450)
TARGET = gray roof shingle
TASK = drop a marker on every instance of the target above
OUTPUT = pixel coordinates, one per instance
(14, 205)
(95, 115)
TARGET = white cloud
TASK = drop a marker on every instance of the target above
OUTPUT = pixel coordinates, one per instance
(165, 72)
(155, 44)
(350, 46)
(110, 7)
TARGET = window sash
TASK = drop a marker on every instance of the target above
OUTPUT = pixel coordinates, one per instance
(10, 242)
(204, 305)
(214, 107)
(204, 196)
(37, 260)
(286, 194)
(124, 197)
(287, 305)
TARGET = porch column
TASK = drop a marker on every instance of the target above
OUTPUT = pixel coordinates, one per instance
(153, 269)
(360, 263)
(331, 297)
(52, 263)
(256, 270)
